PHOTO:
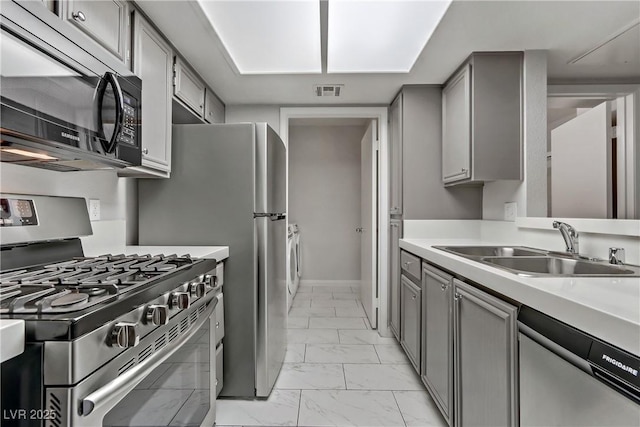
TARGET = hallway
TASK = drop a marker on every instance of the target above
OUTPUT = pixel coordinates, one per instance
(337, 372)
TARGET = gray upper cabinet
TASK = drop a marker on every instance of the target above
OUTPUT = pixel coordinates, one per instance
(416, 190)
(395, 156)
(437, 337)
(153, 63)
(395, 233)
(188, 87)
(105, 21)
(213, 108)
(411, 319)
(456, 108)
(485, 346)
(482, 120)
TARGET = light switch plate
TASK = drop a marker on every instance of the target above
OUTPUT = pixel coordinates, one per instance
(94, 209)
(510, 211)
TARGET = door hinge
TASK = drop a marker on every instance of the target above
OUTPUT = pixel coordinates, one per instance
(376, 302)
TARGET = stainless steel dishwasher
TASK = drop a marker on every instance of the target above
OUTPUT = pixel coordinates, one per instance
(569, 378)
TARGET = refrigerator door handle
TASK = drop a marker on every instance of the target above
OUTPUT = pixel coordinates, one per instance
(271, 216)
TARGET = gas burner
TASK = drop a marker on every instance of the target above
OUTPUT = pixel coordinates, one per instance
(70, 299)
(93, 292)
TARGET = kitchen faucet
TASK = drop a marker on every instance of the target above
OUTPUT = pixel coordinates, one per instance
(569, 234)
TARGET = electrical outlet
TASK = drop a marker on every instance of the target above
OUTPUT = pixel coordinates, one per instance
(94, 209)
(510, 211)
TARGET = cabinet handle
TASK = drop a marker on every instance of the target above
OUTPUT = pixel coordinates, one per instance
(414, 296)
(457, 297)
(79, 16)
(217, 324)
(394, 225)
(145, 151)
(444, 286)
(464, 170)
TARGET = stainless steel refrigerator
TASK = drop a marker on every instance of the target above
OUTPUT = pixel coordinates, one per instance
(227, 188)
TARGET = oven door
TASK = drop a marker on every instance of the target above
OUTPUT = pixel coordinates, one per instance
(166, 381)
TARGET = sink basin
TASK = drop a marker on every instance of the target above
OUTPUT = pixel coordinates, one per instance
(492, 251)
(553, 266)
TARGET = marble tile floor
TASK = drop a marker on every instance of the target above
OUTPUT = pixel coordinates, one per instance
(337, 372)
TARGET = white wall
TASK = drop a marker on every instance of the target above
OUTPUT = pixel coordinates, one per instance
(117, 195)
(324, 199)
(530, 194)
(254, 113)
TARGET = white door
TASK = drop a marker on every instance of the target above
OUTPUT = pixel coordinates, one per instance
(581, 166)
(368, 282)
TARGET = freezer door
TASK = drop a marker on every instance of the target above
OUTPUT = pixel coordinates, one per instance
(271, 339)
(271, 158)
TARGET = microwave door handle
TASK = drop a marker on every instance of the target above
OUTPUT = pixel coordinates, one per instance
(106, 398)
(110, 79)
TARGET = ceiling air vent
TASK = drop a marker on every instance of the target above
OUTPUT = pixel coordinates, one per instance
(327, 90)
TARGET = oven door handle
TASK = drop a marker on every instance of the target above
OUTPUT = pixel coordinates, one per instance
(105, 398)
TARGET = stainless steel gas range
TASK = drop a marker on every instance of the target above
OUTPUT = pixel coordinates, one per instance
(110, 341)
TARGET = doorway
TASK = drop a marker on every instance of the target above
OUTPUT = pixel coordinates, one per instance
(369, 233)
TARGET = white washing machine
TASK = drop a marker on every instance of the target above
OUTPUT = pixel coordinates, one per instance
(293, 262)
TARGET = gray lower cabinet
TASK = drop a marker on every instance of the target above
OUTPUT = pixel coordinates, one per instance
(437, 337)
(485, 350)
(410, 320)
(395, 234)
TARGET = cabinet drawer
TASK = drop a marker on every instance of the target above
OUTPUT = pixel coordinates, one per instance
(410, 263)
(220, 318)
(219, 369)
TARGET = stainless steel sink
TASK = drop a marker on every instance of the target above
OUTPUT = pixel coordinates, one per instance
(553, 266)
(533, 262)
(497, 251)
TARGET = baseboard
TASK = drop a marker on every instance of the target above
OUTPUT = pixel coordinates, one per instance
(344, 283)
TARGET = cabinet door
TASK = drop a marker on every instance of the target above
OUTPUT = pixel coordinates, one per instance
(189, 88)
(437, 336)
(213, 108)
(411, 319)
(395, 157)
(105, 21)
(456, 127)
(394, 277)
(152, 62)
(485, 346)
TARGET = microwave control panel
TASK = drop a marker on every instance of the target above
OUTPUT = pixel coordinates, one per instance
(17, 213)
(130, 123)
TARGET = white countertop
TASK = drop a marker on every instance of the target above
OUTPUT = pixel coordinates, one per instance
(218, 253)
(11, 338)
(607, 308)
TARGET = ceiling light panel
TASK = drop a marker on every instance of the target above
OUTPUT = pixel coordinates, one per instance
(384, 36)
(269, 36)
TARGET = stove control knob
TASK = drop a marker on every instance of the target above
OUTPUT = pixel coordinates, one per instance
(197, 289)
(157, 314)
(124, 335)
(180, 300)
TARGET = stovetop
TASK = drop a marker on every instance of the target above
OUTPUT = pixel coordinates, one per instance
(78, 295)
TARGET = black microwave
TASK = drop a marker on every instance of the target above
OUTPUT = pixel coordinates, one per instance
(56, 113)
